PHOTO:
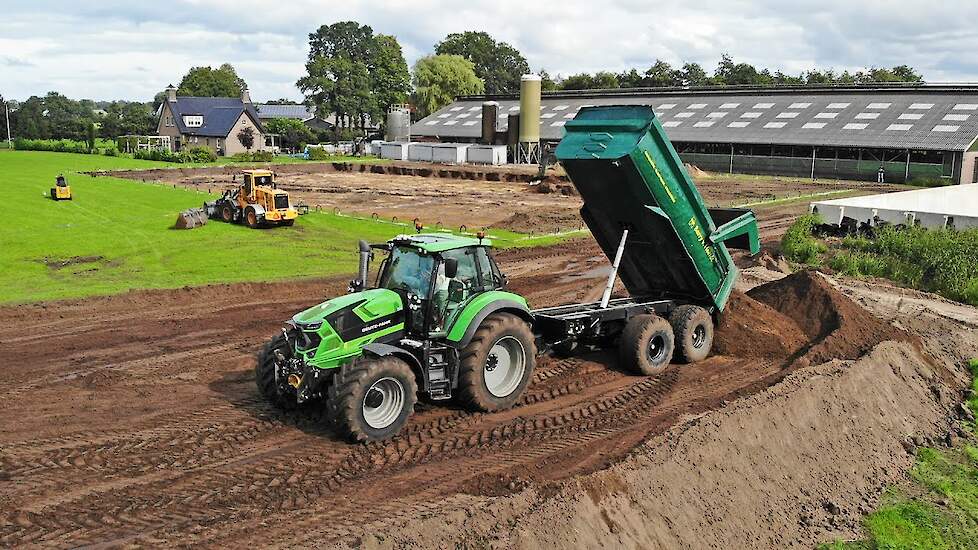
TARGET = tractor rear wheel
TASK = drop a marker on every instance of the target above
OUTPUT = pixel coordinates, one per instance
(497, 364)
(251, 218)
(227, 214)
(693, 328)
(647, 344)
(372, 399)
(272, 387)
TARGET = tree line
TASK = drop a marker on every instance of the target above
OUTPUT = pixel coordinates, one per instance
(356, 75)
(727, 73)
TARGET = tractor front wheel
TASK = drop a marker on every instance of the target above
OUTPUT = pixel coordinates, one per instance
(372, 399)
(251, 218)
(497, 364)
(271, 383)
(287, 223)
(647, 344)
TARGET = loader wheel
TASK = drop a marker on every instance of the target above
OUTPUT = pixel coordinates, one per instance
(227, 214)
(372, 399)
(275, 390)
(287, 223)
(693, 328)
(251, 218)
(647, 344)
(497, 364)
(53, 195)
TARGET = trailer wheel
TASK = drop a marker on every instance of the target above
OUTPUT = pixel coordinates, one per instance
(274, 390)
(372, 399)
(251, 218)
(693, 328)
(647, 344)
(227, 214)
(496, 365)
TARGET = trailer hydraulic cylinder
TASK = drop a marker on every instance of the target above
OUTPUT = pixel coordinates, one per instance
(606, 297)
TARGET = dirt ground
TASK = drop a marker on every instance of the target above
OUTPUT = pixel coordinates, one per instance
(501, 197)
(133, 420)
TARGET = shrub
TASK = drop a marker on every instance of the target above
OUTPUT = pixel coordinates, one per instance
(936, 260)
(111, 152)
(257, 156)
(57, 146)
(318, 153)
(930, 181)
(198, 154)
(798, 244)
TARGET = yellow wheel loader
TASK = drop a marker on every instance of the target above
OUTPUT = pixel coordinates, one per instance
(257, 202)
(61, 190)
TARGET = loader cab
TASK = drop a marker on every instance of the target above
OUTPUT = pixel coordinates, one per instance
(437, 276)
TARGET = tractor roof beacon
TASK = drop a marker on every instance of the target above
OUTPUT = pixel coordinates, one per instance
(437, 317)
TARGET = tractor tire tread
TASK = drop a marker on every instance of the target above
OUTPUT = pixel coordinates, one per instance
(350, 382)
(471, 385)
(683, 319)
(265, 374)
(634, 342)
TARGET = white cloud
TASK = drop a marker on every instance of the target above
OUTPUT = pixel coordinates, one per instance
(118, 49)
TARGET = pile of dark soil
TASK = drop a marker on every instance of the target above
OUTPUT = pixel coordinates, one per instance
(836, 327)
(749, 328)
(539, 220)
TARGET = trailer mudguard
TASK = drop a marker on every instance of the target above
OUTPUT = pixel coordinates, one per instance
(467, 321)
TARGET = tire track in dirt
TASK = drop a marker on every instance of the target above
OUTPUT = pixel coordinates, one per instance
(167, 460)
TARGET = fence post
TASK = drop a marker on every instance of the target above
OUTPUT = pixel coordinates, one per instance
(813, 163)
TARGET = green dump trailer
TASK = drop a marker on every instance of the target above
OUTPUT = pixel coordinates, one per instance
(669, 249)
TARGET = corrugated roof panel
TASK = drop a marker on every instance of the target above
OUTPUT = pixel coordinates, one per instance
(856, 124)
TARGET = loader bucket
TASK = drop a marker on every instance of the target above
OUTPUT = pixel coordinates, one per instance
(189, 219)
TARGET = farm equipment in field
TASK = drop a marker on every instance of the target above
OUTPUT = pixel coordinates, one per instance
(438, 319)
(61, 190)
(257, 202)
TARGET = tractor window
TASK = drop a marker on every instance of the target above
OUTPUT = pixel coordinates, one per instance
(263, 180)
(488, 277)
(450, 294)
(406, 269)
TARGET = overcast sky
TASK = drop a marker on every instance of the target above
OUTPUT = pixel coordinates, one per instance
(109, 49)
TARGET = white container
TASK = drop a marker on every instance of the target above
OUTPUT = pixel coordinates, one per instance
(448, 153)
(486, 154)
(419, 152)
(394, 150)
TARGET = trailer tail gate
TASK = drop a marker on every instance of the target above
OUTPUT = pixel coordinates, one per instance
(630, 177)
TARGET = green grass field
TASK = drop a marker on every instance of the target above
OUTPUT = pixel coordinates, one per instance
(116, 235)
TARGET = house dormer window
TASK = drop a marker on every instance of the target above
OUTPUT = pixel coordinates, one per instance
(193, 121)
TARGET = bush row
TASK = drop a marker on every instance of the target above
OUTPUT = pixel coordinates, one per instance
(62, 146)
(192, 155)
(257, 156)
(936, 260)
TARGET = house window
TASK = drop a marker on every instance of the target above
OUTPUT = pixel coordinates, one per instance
(169, 120)
(193, 121)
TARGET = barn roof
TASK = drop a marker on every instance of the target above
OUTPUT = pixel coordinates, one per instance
(927, 117)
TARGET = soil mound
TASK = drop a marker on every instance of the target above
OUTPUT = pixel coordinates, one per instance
(837, 327)
(541, 221)
(749, 328)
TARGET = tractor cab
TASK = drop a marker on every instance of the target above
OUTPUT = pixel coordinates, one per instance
(438, 275)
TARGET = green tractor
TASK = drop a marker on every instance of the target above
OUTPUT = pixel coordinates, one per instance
(438, 319)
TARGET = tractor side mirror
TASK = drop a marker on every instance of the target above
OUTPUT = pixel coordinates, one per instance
(451, 268)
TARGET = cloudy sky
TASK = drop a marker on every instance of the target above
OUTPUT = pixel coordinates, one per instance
(109, 49)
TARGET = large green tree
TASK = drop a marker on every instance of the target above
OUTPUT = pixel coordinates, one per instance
(293, 133)
(498, 64)
(125, 118)
(353, 73)
(208, 82)
(439, 79)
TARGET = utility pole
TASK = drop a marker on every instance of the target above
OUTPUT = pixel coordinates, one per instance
(6, 113)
